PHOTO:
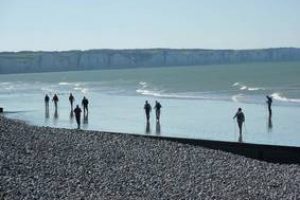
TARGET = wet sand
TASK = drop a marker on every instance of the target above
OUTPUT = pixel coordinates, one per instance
(51, 163)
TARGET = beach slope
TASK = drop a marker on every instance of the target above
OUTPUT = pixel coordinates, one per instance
(49, 163)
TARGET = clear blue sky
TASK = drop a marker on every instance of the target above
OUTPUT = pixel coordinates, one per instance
(94, 24)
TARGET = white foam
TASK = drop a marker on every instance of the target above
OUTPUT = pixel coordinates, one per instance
(148, 92)
(175, 95)
(143, 84)
(11, 87)
(64, 83)
(255, 89)
(143, 90)
(279, 97)
(81, 89)
(244, 88)
(76, 84)
(235, 98)
(5, 83)
(84, 90)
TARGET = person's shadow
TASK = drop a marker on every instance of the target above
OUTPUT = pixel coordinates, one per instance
(148, 130)
(157, 128)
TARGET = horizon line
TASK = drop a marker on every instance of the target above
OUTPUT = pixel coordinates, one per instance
(151, 48)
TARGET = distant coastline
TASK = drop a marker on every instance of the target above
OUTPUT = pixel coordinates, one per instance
(75, 60)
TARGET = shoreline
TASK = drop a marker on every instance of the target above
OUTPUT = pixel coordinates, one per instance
(47, 163)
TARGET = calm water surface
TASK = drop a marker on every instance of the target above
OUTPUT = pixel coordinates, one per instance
(198, 101)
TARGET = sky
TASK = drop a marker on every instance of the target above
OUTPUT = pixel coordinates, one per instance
(127, 24)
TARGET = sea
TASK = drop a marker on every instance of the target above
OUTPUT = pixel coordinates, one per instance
(198, 102)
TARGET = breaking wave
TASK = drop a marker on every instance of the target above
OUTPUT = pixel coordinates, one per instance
(76, 84)
(279, 97)
(245, 87)
(168, 95)
(236, 98)
(143, 84)
(81, 89)
(179, 95)
(64, 83)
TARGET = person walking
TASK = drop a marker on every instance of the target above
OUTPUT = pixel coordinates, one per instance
(240, 118)
(71, 99)
(157, 108)
(269, 103)
(77, 112)
(148, 109)
(85, 103)
(55, 100)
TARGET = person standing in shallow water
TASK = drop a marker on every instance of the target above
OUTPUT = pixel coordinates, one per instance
(147, 108)
(269, 102)
(55, 100)
(85, 103)
(47, 99)
(77, 112)
(157, 108)
(240, 118)
(71, 99)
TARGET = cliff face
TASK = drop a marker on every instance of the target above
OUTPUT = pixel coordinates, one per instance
(22, 62)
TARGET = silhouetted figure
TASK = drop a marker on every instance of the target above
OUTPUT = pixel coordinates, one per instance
(47, 99)
(240, 118)
(148, 127)
(147, 108)
(71, 99)
(55, 100)
(269, 102)
(77, 112)
(157, 108)
(85, 103)
(157, 128)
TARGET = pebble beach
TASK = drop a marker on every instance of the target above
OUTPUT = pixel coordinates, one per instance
(54, 163)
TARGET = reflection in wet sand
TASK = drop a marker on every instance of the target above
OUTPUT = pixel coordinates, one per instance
(148, 130)
(157, 128)
(85, 121)
(270, 124)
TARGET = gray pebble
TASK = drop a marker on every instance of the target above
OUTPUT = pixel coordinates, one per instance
(48, 163)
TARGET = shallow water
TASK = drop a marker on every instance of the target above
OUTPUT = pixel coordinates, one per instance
(198, 102)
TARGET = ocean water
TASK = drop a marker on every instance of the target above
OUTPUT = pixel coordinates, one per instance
(197, 101)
